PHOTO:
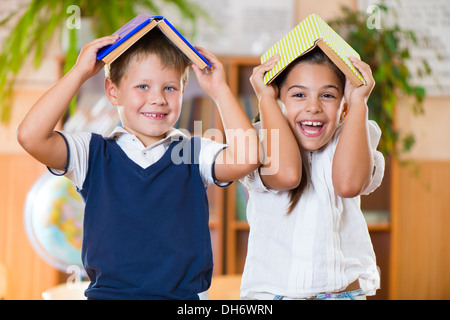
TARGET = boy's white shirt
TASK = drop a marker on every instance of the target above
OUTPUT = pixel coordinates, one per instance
(135, 150)
(322, 246)
(143, 156)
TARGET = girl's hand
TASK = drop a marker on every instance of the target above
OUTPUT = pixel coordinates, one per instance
(211, 81)
(256, 79)
(87, 64)
(361, 93)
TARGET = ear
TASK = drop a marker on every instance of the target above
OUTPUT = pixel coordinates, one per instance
(112, 92)
(343, 112)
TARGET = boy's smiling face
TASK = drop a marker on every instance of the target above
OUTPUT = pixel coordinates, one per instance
(312, 97)
(148, 98)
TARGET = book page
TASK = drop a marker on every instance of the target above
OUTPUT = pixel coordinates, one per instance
(430, 21)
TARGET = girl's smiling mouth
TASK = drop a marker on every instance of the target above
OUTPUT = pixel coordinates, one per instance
(311, 128)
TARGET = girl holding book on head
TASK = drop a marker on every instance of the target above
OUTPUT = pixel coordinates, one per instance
(308, 238)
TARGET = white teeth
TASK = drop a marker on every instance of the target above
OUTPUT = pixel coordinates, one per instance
(311, 123)
(154, 115)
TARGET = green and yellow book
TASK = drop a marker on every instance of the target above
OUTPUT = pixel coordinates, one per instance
(308, 34)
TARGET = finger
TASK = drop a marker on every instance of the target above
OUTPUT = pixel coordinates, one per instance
(197, 71)
(208, 55)
(204, 50)
(273, 59)
(103, 42)
(364, 69)
(111, 38)
(267, 65)
(360, 65)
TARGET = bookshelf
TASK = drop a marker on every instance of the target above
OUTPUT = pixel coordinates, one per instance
(239, 70)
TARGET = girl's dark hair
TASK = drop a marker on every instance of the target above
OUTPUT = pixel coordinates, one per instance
(315, 56)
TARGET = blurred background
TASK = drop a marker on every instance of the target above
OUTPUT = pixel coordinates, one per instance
(404, 41)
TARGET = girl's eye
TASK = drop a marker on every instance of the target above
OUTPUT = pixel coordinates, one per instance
(298, 95)
(327, 95)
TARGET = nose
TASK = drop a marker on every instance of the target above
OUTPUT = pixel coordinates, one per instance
(156, 97)
(313, 106)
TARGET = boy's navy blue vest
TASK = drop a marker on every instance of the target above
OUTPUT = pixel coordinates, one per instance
(146, 233)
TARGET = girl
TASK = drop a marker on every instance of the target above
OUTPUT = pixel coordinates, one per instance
(308, 237)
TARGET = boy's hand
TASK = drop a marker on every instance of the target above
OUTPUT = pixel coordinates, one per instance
(87, 64)
(36, 131)
(242, 153)
(362, 93)
(256, 79)
(213, 81)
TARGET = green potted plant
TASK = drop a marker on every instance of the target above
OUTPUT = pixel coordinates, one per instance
(39, 21)
(381, 47)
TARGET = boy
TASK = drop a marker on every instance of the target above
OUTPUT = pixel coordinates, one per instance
(146, 232)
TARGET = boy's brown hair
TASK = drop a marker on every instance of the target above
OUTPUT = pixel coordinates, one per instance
(154, 42)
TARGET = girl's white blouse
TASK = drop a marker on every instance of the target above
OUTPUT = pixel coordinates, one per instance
(322, 246)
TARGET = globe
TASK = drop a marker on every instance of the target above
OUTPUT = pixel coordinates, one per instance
(54, 221)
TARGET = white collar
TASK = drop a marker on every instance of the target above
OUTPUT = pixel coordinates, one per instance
(172, 134)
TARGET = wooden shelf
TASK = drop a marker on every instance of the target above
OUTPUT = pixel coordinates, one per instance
(239, 70)
(240, 225)
(379, 226)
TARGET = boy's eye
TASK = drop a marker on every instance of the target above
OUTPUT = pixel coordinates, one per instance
(143, 86)
(170, 89)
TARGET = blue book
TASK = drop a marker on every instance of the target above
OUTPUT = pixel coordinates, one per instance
(138, 27)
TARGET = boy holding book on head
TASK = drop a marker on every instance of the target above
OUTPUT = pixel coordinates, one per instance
(146, 233)
(308, 238)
